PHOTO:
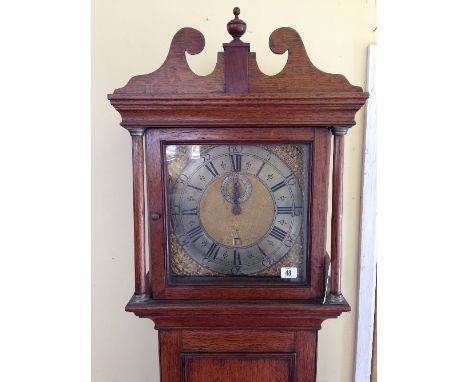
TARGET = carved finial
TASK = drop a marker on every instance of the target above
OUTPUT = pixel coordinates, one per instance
(236, 27)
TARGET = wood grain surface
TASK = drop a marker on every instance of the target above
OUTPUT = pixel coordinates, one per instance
(191, 355)
(239, 368)
(237, 93)
(139, 213)
(337, 214)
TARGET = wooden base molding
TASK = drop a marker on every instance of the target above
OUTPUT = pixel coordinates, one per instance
(242, 314)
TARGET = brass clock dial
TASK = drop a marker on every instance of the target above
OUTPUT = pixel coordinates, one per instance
(236, 209)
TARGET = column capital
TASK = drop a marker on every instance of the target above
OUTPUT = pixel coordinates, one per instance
(339, 130)
(136, 130)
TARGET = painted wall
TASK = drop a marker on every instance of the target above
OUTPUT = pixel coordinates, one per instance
(133, 37)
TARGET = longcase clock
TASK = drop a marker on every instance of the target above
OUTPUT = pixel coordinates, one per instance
(237, 166)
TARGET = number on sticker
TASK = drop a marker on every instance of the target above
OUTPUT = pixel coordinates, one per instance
(288, 272)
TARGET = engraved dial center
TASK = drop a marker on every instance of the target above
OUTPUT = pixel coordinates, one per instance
(231, 229)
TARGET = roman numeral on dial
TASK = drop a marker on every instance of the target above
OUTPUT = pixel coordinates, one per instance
(278, 233)
(195, 233)
(284, 210)
(260, 169)
(212, 251)
(237, 260)
(194, 187)
(262, 251)
(266, 260)
(190, 211)
(211, 168)
(298, 210)
(278, 186)
(293, 211)
(283, 183)
(236, 161)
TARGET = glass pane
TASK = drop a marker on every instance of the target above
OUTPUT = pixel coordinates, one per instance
(238, 210)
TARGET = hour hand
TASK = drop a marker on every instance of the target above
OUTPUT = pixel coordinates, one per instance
(236, 209)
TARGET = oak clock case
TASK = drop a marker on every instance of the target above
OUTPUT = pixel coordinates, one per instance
(230, 187)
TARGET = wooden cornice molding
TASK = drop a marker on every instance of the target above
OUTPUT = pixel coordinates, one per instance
(300, 95)
(291, 110)
(175, 76)
(299, 75)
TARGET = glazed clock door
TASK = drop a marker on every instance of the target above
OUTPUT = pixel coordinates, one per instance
(237, 212)
(237, 209)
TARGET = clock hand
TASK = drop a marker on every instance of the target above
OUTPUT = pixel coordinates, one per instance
(236, 210)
